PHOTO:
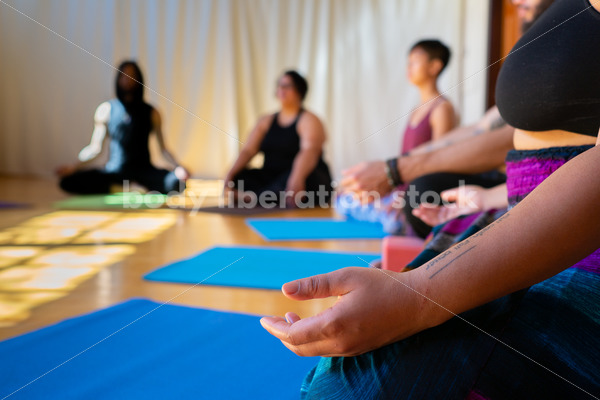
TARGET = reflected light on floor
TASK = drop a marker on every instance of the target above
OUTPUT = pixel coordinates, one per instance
(38, 264)
(198, 193)
(16, 307)
(81, 227)
(11, 255)
(60, 269)
(71, 219)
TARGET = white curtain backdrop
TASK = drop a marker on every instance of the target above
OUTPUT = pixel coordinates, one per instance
(211, 67)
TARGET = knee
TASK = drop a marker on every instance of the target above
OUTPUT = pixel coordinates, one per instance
(67, 184)
(323, 382)
(173, 184)
(345, 378)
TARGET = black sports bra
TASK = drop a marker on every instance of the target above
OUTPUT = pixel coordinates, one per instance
(552, 78)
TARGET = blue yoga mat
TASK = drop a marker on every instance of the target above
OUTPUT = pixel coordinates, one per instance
(255, 267)
(314, 229)
(134, 352)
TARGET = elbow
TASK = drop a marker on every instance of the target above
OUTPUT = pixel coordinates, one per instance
(310, 158)
(88, 153)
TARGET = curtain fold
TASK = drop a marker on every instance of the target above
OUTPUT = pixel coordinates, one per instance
(211, 67)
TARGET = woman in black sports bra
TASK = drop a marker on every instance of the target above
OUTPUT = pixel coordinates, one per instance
(291, 140)
(511, 311)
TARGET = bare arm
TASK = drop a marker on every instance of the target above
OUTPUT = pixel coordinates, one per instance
(480, 153)
(251, 147)
(312, 138)
(490, 121)
(92, 150)
(554, 227)
(442, 120)
(180, 171)
(531, 243)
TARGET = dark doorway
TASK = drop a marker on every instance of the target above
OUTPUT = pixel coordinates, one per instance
(504, 33)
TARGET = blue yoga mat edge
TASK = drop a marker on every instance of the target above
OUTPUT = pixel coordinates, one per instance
(162, 274)
(267, 233)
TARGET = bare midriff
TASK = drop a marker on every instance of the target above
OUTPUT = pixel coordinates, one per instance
(528, 140)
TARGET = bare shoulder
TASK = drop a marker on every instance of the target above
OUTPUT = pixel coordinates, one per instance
(309, 119)
(264, 122)
(102, 114)
(309, 116)
(444, 113)
(445, 107)
(310, 128)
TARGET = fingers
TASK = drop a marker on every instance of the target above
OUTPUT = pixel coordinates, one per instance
(304, 337)
(300, 332)
(320, 334)
(424, 207)
(292, 317)
(450, 195)
(277, 327)
(348, 184)
(430, 214)
(353, 169)
(425, 216)
(351, 178)
(417, 213)
(318, 286)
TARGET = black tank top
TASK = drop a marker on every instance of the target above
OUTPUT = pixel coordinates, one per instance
(128, 132)
(551, 81)
(281, 145)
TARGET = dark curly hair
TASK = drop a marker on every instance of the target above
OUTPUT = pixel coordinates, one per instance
(300, 84)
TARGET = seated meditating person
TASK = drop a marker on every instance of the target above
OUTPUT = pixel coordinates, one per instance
(127, 123)
(431, 120)
(291, 140)
(510, 312)
(468, 155)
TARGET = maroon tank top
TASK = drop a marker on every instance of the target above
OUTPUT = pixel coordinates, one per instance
(418, 134)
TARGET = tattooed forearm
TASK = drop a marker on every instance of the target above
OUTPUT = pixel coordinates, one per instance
(478, 131)
(487, 228)
(438, 259)
(497, 123)
(462, 244)
(451, 261)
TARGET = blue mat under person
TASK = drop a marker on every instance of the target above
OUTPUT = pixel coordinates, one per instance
(142, 350)
(256, 267)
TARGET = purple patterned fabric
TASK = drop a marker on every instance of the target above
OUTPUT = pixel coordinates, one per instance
(525, 170)
(459, 225)
(525, 175)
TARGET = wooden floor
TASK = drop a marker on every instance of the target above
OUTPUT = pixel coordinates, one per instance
(189, 235)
